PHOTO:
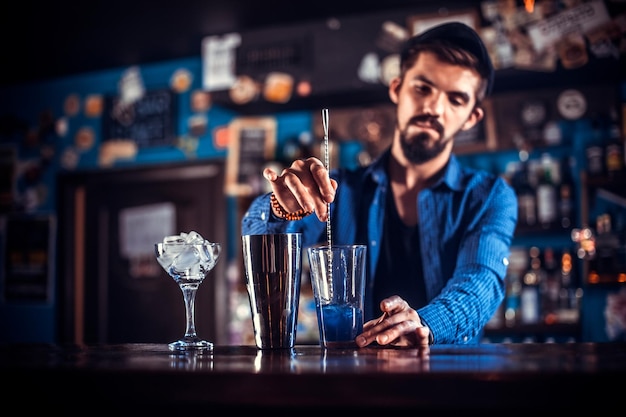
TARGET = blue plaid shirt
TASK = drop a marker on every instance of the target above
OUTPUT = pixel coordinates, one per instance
(467, 221)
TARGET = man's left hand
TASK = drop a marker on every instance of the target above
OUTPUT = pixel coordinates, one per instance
(399, 325)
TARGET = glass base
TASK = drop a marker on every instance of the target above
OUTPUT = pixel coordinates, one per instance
(195, 345)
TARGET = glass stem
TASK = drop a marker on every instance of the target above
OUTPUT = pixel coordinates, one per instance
(189, 295)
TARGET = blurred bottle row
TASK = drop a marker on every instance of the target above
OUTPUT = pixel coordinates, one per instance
(542, 288)
(603, 247)
(545, 193)
(604, 151)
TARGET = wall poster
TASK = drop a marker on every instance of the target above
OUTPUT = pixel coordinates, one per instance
(28, 258)
(252, 144)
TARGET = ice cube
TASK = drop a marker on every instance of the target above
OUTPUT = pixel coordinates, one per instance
(186, 259)
(194, 238)
(208, 255)
(177, 239)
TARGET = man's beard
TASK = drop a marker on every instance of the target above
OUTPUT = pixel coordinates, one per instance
(416, 147)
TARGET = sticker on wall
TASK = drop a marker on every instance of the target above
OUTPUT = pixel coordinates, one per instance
(369, 68)
(197, 125)
(61, 126)
(115, 149)
(85, 138)
(189, 145)
(130, 86)
(94, 104)
(304, 88)
(181, 80)
(606, 41)
(200, 101)
(69, 158)
(278, 87)
(571, 104)
(244, 90)
(221, 137)
(572, 51)
(71, 105)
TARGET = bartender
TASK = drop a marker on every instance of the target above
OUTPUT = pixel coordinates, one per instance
(438, 234)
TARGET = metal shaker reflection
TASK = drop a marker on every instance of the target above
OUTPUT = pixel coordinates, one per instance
(275, 360)
(273, 265)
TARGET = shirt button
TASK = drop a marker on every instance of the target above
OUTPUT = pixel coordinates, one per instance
(263, 216)
(373, 243)
(505, 261)
(465, 339)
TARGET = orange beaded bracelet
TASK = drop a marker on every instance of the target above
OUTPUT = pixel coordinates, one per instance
(283, 214)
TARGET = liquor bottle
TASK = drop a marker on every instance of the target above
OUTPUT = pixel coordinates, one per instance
(550, 287)
(569, 293)
(526, 198)
(614, 148)
(595, 151)
(530, 297)
(566, 194)
(546, 194)
(619, 228)
(603, 265)
(512, 299)
(518, 264)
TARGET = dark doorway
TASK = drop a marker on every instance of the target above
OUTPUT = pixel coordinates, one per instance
(111, 289)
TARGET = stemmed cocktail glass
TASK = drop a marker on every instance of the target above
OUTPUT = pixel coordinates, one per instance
(188, 258)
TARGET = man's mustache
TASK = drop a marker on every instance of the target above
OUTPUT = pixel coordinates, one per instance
(429, 120)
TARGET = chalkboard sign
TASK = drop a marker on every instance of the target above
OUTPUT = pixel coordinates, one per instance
(252, 144)
(149, 121)
(28, 258)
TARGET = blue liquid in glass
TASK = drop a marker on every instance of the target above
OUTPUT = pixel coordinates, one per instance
(339, 324)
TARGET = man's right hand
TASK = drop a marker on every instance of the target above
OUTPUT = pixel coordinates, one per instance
(304, 185)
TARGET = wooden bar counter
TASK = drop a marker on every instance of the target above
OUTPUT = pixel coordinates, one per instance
(487, 379)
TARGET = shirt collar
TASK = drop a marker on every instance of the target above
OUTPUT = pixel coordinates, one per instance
(452, 175)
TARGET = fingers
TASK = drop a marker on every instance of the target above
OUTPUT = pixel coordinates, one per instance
(400, 325)
(393, 305)
(423, 336)
(270, 174)
(326, 185)
(304, 185)
(393, 334)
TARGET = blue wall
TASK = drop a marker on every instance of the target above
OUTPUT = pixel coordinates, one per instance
(42, 153)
